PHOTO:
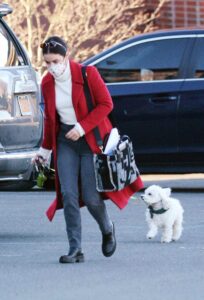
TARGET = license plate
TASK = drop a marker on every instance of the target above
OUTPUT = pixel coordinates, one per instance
(25, 106)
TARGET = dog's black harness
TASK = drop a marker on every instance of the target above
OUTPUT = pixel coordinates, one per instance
(152, 211)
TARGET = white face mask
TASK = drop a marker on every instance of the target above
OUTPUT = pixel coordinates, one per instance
(57, 69)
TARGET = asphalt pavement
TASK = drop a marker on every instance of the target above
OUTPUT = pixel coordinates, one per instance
(139, 270)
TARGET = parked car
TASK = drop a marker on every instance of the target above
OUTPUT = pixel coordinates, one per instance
(157, 84)
(20, 116)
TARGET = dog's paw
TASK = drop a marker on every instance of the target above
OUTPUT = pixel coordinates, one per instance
(176, 236)
(166, 240)
(149, 236)
(174, 239)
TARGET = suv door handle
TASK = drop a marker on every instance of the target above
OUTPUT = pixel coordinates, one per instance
(163, 99)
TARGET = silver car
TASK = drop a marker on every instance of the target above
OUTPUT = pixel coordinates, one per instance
(20, 115)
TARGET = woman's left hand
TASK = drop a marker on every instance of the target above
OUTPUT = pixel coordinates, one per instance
(73, 134)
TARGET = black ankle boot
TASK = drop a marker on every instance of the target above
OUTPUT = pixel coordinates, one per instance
(74, 255)
(109, 243)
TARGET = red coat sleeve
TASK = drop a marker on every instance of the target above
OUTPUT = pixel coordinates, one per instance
(101, 99)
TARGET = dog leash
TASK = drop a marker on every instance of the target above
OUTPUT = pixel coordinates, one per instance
(135, 199)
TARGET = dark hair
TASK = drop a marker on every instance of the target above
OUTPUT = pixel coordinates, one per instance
(54, 44)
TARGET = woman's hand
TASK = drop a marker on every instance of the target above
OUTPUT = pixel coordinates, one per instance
(42, 156)
(38, 159)
(73, 134)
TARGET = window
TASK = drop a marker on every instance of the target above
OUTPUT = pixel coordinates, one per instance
(8, 52)
(151, 60)
(199, 63)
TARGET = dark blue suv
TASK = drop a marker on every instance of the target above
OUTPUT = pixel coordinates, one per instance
(157, 84)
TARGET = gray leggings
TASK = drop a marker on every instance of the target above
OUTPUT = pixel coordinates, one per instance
(76, 175)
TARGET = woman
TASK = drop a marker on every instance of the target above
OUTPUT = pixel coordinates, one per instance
(68, 132)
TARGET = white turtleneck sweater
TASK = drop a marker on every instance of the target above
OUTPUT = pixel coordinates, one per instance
(64, 106)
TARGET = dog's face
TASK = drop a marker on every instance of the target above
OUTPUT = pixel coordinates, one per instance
(155, 194)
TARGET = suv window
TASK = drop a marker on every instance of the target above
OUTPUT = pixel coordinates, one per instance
(9, 56)
(151, 60)
(199, 59)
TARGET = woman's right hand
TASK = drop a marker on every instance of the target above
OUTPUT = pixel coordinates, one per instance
(38, 159)
(42, 156)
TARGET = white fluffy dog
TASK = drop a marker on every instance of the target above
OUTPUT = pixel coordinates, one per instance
(163, 212)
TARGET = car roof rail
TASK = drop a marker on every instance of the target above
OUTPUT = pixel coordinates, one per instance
(5, 9)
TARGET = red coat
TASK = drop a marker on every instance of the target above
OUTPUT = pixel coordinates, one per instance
(98, 117)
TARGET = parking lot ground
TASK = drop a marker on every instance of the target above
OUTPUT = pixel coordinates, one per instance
(139, 270)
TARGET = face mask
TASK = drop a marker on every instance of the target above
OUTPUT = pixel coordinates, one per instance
(57, 69)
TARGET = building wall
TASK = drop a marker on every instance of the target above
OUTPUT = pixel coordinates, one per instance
(180, 13)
